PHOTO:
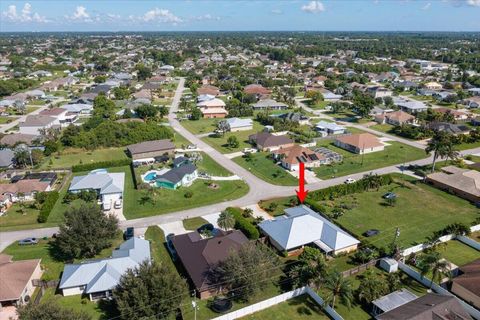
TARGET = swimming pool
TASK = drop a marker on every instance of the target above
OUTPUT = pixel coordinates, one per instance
(150, 176)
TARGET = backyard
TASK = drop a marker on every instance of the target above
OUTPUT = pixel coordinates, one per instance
(265, 168)
(459, 253)
(71, 157)
(302, 307)
(394, 153)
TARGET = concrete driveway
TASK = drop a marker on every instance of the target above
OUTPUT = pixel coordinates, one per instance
(310, 176)
(212, 218)
(175, 227)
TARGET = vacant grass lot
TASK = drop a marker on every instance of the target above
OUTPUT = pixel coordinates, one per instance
(395, 153)
(302, 307)
(220, 142)
(15, 219)
(70, 157)
(419, 211)
(459, 253)
(200, 126)
(264, 168)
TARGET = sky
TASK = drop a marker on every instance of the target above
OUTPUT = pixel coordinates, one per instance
(233, 15)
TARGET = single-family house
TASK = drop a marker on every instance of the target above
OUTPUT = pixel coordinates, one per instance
(472, 102)
(148, 151)
(109, 186)
(467, 284)
(97, 278)
(433, 86)
(208, 89)
(35, 124)
(269, 104)
(395, 118)
(431, 306)
(257, 90)
(457, 115)
(410, 106)
(62, 115)
(14, 139)
(291, 157)
(301, 226)
(360, 143)
(23, 190)
(79, 108)
(237, 124)
(16, 279)
(451, 128)
(266, 141)
(379, 92)
(179, 176)
(329, 128)
(200, 255)
(294, 117)
(214, 108)
(464, 183)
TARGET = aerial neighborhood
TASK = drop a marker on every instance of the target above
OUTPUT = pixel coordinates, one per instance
(256, 175)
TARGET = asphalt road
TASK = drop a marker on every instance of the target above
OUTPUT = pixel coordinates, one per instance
(259, 189)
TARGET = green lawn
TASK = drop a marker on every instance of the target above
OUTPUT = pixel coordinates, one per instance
(319, 105)
(4, 120)
(70, 157)
(382, 127)
(14, 218)
(419, 211)
(302, 307)
(220, 142)
(264, 168)
(459, 253)
(466, 146)
(211, 167)
(174, 200)
(194, 223)
(200, 126)
(395, 153)
(158, 247)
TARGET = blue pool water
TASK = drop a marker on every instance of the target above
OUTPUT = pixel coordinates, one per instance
(149, 177)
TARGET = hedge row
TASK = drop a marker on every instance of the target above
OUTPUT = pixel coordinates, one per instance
(242, 224)
(100, 165)
(364, 184)
(47, 206)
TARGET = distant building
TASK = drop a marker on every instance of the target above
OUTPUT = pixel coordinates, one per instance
(237, 124)
(330, 128)
(269, 104)
(266, 141)
(395, 118)
(360, 143)
(147, 151)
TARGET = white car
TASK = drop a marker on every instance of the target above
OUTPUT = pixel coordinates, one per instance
(107, 206)
(350, 180)
(118, 204)
(249, 150)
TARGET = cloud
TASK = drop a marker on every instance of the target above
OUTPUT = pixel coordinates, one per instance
(277, 11)
(207, 16)
(80, 13)
(427, 6)
(473, 3)
(313, 7)
(161, 15)
(26, 15)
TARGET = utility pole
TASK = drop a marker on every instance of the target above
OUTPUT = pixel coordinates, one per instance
(194, 304)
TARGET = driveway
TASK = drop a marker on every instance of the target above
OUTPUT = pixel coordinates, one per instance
(175, 227)
(8, 313)
(310, 176)
(212, 218)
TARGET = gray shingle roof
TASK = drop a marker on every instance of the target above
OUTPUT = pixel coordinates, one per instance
(103, 181)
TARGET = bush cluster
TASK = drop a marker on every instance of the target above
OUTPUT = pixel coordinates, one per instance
(101, 164)
(243, 224)
(47, 206)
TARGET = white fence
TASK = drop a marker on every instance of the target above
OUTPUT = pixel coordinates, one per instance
(265, 304)
(449, 237)
(438, 289)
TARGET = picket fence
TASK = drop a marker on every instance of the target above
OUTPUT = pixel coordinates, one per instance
(474, 313)
(265, 304)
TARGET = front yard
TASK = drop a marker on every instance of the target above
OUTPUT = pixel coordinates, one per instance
(394, 153)
(265, 168)
(220, 142)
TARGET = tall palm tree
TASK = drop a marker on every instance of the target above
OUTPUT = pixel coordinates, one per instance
(371, 287)
(338, 287)
(441, 144)
(433, 262)
(226, 220)
(310, 269)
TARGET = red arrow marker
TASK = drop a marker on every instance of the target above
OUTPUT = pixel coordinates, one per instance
(301, 193)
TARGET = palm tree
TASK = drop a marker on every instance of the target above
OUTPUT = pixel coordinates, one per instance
(433, 262)
(371, 287)
(226, 220)
(442, 146)
(338, 287)
(311, 268)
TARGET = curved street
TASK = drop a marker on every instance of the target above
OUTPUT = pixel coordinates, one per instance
(258, 189)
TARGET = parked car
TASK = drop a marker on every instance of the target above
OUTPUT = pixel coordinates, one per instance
(129, 233)
(350, 181)
(389, 195)
(107, 206)
(170, 246)
(249, 150)
(118, 204)
(28, 241)
(371, 233)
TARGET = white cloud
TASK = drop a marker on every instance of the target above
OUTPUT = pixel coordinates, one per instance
(80, 13)
(313, 7)
(26, 15)
(277, 11)
(161, 15)
(473, 3)
(427, 6)
(207, 16)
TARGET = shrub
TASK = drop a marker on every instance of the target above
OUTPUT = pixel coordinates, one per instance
(47, 206)
(101, 164)
(188, 194)
(243, 224)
